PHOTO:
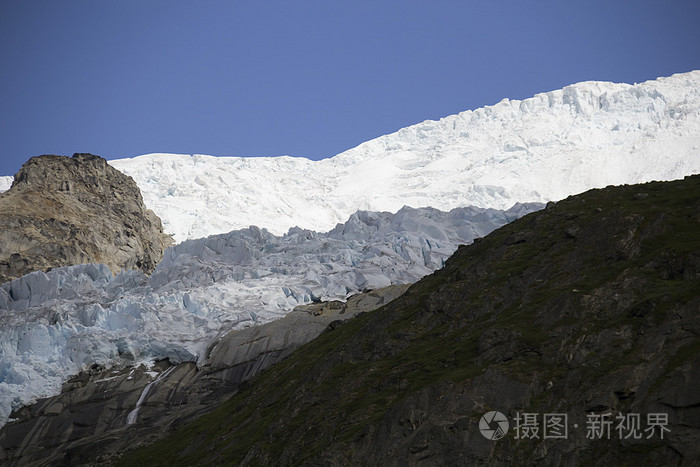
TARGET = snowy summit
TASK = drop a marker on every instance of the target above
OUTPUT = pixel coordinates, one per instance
(555, 144)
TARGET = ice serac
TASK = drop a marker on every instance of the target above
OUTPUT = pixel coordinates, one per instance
(555, 144)
(59, 323)
(63, 211)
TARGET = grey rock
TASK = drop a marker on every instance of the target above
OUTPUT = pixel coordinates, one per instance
(242, 354)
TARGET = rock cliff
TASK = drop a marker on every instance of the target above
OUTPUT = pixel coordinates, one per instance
(62, 211)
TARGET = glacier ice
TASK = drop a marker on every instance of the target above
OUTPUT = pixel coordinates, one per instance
(56, 324)
(5, 182)
(587, 135)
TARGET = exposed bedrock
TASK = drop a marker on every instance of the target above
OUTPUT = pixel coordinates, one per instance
(62, 211)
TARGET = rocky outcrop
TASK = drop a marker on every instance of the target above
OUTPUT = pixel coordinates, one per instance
(243, 354)
(92, 412)
(62, 211)
(587, 311)
(102, 412)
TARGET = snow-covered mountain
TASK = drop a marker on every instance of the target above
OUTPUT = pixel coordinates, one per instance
(56, 324)
(558, 143)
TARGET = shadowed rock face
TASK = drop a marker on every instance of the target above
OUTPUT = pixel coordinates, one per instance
(62, 211)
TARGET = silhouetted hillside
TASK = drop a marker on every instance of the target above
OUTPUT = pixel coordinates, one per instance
(589, 307)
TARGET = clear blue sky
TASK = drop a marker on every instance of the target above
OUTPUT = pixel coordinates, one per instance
(303, 78)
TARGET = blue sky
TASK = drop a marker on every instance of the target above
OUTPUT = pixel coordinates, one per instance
(303, 78)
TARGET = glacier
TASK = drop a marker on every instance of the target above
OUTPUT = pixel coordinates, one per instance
(56, 324)
(555, 144)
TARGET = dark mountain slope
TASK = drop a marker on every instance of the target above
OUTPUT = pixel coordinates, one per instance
(591, 306)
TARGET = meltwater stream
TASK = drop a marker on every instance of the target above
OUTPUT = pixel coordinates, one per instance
(131, 418)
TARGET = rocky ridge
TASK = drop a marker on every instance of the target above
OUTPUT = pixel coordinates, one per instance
(63, 211)
(589, 308)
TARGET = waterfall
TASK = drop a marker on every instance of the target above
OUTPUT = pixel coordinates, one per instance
(131, 418)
